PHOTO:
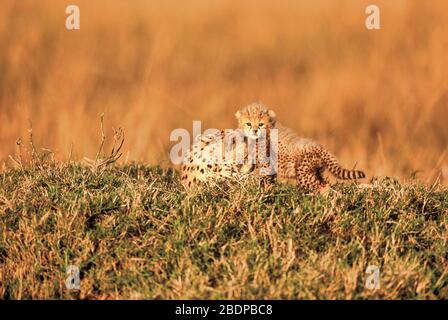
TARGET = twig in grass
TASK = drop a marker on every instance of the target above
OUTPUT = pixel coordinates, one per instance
(115, 153)
(70, 155)
(103, 137)
(18, 159)
(34, 153)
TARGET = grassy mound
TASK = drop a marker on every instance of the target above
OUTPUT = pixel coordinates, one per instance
(134, 233)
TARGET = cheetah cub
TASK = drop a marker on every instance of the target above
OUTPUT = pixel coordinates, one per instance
(299, 159)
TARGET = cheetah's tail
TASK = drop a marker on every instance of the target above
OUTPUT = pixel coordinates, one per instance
(339, 172)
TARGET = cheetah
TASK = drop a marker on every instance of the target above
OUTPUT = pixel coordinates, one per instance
(206, 162)
(239, 154)
(299, 159)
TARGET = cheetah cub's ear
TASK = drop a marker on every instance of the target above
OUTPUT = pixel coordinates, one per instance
(272, 117)
(238, 115)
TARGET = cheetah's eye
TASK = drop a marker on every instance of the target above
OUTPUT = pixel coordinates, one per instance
(261, 125)
(248, 124)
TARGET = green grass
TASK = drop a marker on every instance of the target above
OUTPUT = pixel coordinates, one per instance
(134, 233)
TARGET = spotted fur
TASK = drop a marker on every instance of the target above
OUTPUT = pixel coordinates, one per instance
(299, 159)
(202, 164)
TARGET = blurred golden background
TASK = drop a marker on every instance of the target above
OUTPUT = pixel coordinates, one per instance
(376, 98)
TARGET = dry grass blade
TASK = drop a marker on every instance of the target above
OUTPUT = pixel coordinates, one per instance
(115, 154)
(35, 158)
(103, 137)
(18, 158)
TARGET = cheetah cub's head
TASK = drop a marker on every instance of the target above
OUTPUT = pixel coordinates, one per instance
(254, 119)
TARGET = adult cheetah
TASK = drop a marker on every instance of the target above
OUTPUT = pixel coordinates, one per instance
(215, 157)
(229, 154)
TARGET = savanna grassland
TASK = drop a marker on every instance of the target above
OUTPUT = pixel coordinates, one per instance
(377, 99)
(134, 233)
